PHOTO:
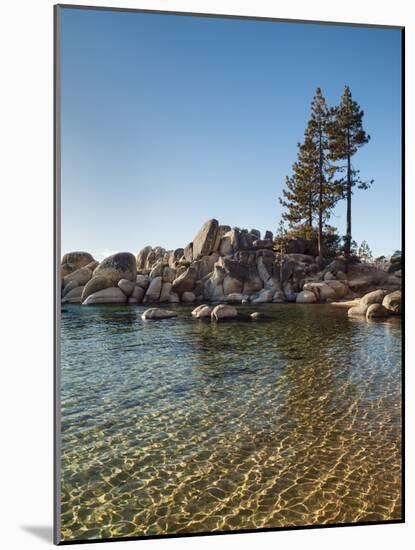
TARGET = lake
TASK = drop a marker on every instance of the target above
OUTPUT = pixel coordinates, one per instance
(185, 426)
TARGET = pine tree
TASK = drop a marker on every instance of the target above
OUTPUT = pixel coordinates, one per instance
(346, 136)
(364, 253)
(327, 189)
(311, 190)
(299, 197)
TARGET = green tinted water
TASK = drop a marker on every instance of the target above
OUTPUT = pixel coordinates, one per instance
(181, 426)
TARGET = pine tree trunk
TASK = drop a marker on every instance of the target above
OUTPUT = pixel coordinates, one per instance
(348, 242)
(320, 206)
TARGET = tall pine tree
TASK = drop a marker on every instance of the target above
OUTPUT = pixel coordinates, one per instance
(311, 190)
(346, 136)
(299, 197)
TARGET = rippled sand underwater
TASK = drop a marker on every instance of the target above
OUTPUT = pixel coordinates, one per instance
(186, 426)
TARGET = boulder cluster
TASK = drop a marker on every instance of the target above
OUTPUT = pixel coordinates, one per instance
(220, 265)
(378, 304)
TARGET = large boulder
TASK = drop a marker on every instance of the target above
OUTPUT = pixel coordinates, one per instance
(374, 297)
(340, 288)
(142, 257)
(202, 312)
(94, 285)
(126, 286)
(81, 276)
(375, 311)
(188, 297)
(262, 297)
(335, 266)
(138, 293)
(113, 295)
(222, 230)
(222, 311)
(142, 280)
(75, 260)
(229, 243)
(155, 313)
(306, 297)
(186, 281)
(231, 285)
(175, 256)
(246, 240)
(265, 265)
(252, 282)
(358, 310)
(188, 252)
(68, 287)
(154, 290)
(73, 296)
(206, 264)
(359, 284)
(204, 241)
(393, 302)
(169, 274)
(118, 266)
(322, 291)
(157, 269)
(213, 285)
(165, 292)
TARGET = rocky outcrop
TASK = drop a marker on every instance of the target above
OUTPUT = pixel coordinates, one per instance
(377, 304)
(224, 265)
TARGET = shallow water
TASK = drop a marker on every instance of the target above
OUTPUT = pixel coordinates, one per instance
(181, 426)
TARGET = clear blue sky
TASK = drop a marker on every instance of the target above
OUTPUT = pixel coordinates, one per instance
(168, 121)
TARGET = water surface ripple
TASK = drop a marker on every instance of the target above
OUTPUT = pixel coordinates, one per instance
(185, 426)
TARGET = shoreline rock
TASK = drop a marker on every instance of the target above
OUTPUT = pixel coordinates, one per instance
(228, 266)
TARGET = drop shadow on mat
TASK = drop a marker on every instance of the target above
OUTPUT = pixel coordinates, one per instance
(43, 532)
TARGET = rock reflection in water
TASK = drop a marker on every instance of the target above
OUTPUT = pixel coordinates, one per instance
(184, 426)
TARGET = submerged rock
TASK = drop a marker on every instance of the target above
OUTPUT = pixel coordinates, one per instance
(155, 313)
(376, 311)
(222, 311)
(256, 315)
(357, 311)
(202, 312)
